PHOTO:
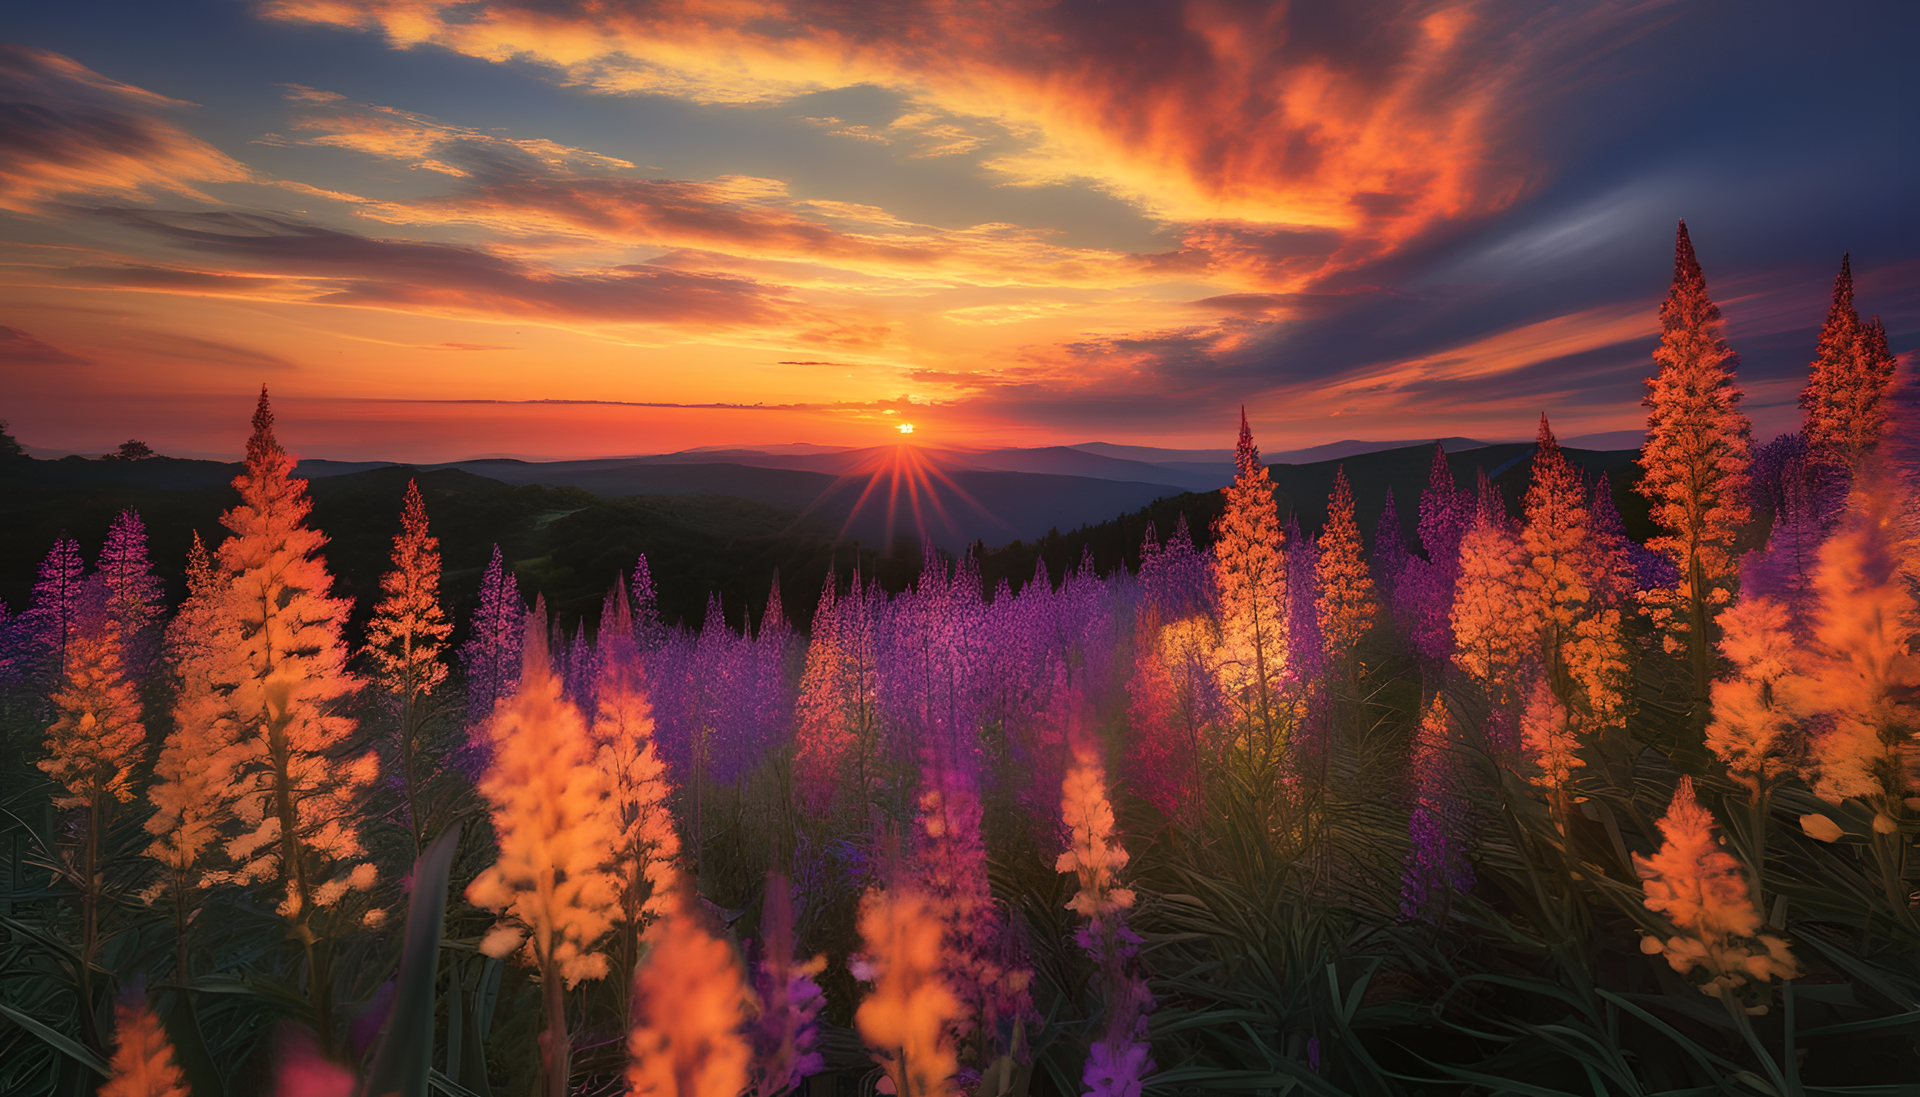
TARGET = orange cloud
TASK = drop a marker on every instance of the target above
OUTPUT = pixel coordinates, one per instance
(72, 131)
(1506, 352)
(544, 196)
(290, 261)
(1373, 119)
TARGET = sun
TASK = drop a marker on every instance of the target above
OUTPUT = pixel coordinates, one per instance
(905, 428)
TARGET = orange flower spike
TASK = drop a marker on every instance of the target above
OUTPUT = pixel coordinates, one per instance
(1546, 731)
(1250, 578)
(1702, 891)
(1756, 709)
(1491, 611)
(1864, 672)
(1347, 605)
(555, 832)
(407, 635)
(142, 1061)
(905, 1020)
(98, 737)
(690, 1000)
(280, 665)
(647, 845)
(1093, 851)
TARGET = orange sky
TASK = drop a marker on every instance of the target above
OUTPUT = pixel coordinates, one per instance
(1012, 222)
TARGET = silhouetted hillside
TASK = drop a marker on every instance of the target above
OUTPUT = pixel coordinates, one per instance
(564, 543)
(1301, 492)
(567, 542)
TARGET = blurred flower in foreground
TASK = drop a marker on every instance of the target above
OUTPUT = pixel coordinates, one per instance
(1120, 1057)
(1700, 888)
(787, 1028)
(689, 1002)
(142, 1063)
(906, 1020)
(555, 834)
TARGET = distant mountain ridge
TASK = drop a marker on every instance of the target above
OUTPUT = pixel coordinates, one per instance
(955, 497)
(728, 525)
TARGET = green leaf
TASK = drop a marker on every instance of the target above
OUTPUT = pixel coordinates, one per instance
(66, 1045)
(405, 1059)
(190, 1045)
(447, 1087)
(1898, 1020)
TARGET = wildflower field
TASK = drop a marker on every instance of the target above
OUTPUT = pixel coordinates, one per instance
(1525, 807)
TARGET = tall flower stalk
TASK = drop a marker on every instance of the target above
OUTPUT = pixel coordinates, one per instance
(555, 832)
(1696, 455)
(1119, 1058)
(492, 651)
(646, 847)
(1346, 603)
(1757, 714)
(282, 671)
(1718, 943)
(1436, 863)
(54, 615)
(406, 640)
(690, 1004)
(135, 597)
(1862, 673)
(193, 780)
(1250, 577)
(908, 1019)
(92, 749)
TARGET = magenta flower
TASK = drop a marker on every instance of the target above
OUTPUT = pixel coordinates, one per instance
(492, 652)
(1436, 863)
(135, 596)
(53, 620)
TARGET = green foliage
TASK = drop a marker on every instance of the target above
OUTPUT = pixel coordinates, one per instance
(405, 1056)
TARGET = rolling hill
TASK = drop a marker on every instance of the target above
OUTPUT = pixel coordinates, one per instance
(717, 526)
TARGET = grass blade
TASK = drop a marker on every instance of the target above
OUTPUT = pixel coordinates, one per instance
(405, 1060)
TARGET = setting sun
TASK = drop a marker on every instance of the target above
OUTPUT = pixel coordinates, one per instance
(906, 428)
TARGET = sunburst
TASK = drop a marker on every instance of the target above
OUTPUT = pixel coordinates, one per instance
(912, 483)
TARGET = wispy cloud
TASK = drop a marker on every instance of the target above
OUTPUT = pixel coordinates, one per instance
(332, 267)
(20, 350)
(66, 130)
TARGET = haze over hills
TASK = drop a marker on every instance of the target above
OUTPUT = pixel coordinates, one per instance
(1148, 464)
(874, 497)
(725, 524)
(955, 497)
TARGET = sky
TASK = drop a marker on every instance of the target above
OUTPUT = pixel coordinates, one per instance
(562, 228)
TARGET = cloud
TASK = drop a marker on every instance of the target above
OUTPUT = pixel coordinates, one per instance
(213, 352)
(329, 266)
(426, 143)
(546, 196)
(168, 279)
(1375, 118)
(1244, 304)
(17, 348)
(67, 130)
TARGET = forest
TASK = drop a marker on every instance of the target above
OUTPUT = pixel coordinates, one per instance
(1500, 799)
